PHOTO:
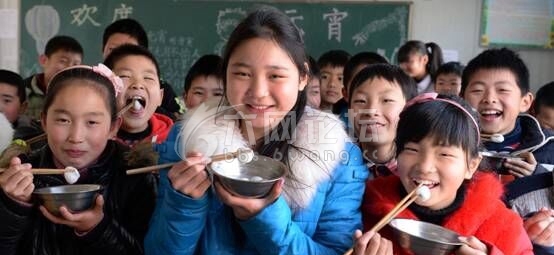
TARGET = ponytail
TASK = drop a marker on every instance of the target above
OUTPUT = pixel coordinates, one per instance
(435, 58)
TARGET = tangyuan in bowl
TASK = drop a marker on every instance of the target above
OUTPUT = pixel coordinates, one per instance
(248, 179)
(422, 238)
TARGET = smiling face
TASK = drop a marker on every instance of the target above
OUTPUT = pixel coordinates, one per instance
(57, 61)
(262, 83)
(331, 84)
(313, 93)
(141, 82)
(201, 89)
(78, 124)
(10, 105)
(448, 84)
(376, 107)
(497, 98)
(416, 66)
(439, 167)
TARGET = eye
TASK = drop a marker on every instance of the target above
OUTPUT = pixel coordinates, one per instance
(324, 76)
(340, 78)
(410, 149)
(198, 93)
(124, 76)
(218, 94)
(276, 76)
(92, 122)
(149, 78)
(358, 101)
(62, 120)
(388, 100)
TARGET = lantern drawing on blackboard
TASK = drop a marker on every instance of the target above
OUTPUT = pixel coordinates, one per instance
(42, 23)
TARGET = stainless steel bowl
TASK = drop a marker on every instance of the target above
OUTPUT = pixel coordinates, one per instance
(75, 197)
(422, 238)
(252, 179)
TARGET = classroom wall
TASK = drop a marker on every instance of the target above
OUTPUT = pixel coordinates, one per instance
(453, 24)
(9, 47)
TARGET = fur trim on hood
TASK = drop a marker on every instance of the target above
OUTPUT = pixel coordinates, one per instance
(6, 136)
(317, 145)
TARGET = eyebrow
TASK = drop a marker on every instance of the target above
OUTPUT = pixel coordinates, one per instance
(7, 95)
(275, 67)
(150, 71)
(63, 111)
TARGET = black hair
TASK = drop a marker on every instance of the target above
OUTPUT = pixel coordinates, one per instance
(62, 42)
(126, 50)
(333, 58)
(269, 23)
(545, 97)
(503, 58)
(207, 65)
(431, 49)
(314, 69)
(15, 80)
(362, 58)
(444, 122)
(98, 82)
(391, 73)
(129, 27)
(451, 67)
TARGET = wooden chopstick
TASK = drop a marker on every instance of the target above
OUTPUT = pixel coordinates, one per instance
(214, 158)
(126, 107)
(41, 171)
(400, 206)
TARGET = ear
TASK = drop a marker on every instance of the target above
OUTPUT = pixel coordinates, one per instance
(526, 101)
(43, 121)
(425, 59)
(161, 96)
(472, 167)
(116, 124)
(23, 107)
(42, 60)
(344, 94)
(305, 78)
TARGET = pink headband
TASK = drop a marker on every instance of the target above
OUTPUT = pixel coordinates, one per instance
(104, 71)
(432, 96)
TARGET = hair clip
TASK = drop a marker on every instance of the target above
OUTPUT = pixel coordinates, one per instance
(432, 96)
(107, 72)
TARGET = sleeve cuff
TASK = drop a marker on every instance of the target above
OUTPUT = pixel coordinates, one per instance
(22, 209)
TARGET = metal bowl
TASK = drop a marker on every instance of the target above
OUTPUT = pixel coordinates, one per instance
(493, 161)
(75, 197)
(422, 238)
(253, 179)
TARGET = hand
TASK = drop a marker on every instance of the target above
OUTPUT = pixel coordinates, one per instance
(521, 167)
(540, 227)
(472, 246)
(190, 177)
(371, 243)
(82, 222)
(245, 208)
(17, 181)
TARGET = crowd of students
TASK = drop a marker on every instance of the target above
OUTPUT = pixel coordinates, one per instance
(356, 133)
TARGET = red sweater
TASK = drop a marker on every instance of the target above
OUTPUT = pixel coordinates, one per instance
(482, 214)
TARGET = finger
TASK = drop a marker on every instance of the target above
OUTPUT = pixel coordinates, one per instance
(224, 195)
(201, 189)
(13, 181)
(50, 216)
(185, 166)
(357, 234)
(22, 186)
(362, 242)
(275, 191)
(474, 243)
(373, 246)
(536, 218)
(66, 214)
(383, 246)
(546, 236)
(196, 186)
(189, 180)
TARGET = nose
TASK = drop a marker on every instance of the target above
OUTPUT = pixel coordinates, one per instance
(258, 87)
(136, 84)
(76, 133)
(489, 96)
(425, 163)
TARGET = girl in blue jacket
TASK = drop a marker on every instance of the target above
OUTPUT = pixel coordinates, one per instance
(316, 206)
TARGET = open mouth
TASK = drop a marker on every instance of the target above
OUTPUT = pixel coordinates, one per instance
(490, 114)
(429, 184)
(138, 102)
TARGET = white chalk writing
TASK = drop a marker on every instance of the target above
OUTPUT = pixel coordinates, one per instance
(294, 19)
(335, 25)
(122, 13)
(81, 15)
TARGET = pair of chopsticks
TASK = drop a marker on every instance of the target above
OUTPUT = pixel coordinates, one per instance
(403, 204)
(148, 169)
(41, 171)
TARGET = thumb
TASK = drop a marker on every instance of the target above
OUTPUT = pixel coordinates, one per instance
(276, 190)
(15, 161)
(99, 203)
(357, 234)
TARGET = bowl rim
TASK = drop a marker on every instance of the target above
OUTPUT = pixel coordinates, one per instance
(282, 165)
(393, 221)
(87, 188)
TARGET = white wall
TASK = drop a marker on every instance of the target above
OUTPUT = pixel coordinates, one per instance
(9, 47)
(453, 24)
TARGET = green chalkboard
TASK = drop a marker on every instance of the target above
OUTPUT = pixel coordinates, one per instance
(180, 31)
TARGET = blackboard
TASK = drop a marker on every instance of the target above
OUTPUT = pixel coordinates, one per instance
(180, 31)
(517, 24)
